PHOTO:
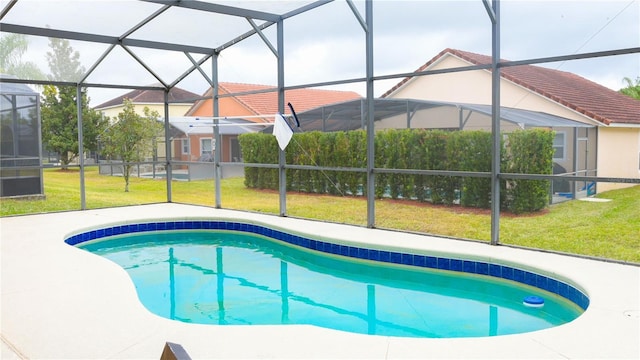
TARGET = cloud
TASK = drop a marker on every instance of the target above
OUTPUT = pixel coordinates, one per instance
(550, 28)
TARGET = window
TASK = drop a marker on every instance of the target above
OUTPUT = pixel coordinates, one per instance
(207, 146)
(559, 146)
(186, 149)
(236, 154)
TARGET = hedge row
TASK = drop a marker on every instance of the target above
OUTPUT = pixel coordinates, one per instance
(525, 151)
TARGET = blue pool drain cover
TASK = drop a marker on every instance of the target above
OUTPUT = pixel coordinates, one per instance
(533, 301)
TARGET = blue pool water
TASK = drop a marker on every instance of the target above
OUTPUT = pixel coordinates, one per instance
(238, 278)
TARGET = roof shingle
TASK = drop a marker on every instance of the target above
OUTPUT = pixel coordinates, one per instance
(575, 92)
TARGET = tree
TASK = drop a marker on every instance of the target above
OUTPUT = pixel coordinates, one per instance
(632, 89)
(59, 106)
(131, 138)
(64, 62)
(12, 49)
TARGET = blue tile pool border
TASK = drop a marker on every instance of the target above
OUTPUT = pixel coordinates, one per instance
(423, 261)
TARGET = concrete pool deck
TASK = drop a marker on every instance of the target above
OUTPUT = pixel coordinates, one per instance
(59, 302)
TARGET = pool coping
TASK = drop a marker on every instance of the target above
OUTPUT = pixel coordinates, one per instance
(50, 295)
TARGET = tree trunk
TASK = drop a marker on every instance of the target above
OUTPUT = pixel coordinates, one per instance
(64, 161)
(126, 169)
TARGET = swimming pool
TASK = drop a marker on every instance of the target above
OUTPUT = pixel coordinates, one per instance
(52, 293)
(389, 303)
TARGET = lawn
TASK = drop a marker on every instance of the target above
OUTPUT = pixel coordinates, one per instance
(601, 229)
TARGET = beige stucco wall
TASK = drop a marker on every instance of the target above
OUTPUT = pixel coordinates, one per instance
(617, 149)
(623, 148)
(174, 109)
(475, 87)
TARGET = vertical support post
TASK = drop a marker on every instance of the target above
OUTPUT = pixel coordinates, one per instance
(324, 121)
(83, 200)
(371, 217)
(282, 174)
(363, 115)
(216, 130)
(39, 121)
(596, 140)
(167, 146)
(495, 124)
(15, 126)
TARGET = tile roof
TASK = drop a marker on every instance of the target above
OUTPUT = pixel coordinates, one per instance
(584, 96)
(267, 103)
(151, 97)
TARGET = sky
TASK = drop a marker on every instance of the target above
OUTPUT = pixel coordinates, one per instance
(327, 43)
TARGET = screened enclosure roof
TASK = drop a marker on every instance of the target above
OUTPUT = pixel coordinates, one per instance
(133, 43)
(10, 88)
(151, 24)
(16, 96)
(526, 118)
(348, 115)
(142, 32)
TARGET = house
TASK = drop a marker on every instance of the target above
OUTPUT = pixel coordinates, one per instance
(250, 107)
(611, 147)
(180, 101)
(192, 132)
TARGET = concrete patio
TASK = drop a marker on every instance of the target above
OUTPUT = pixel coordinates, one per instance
(59, 302)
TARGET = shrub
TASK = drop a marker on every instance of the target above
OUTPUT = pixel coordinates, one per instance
(525, 151)
(529, 152)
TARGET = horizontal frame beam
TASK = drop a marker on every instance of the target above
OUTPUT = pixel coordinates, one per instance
(218, 8)
(102, 39)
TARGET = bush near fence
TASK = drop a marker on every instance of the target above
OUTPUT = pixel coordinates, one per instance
(524, 151)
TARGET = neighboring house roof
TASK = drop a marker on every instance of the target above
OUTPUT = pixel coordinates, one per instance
(584, 96)
(151, 97)
(267, 103)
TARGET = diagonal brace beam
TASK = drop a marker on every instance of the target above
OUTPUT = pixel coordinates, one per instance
(262, 36)
(357, 14)
(133, 55)
(490, 12)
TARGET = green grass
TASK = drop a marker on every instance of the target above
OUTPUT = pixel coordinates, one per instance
(601, 229)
